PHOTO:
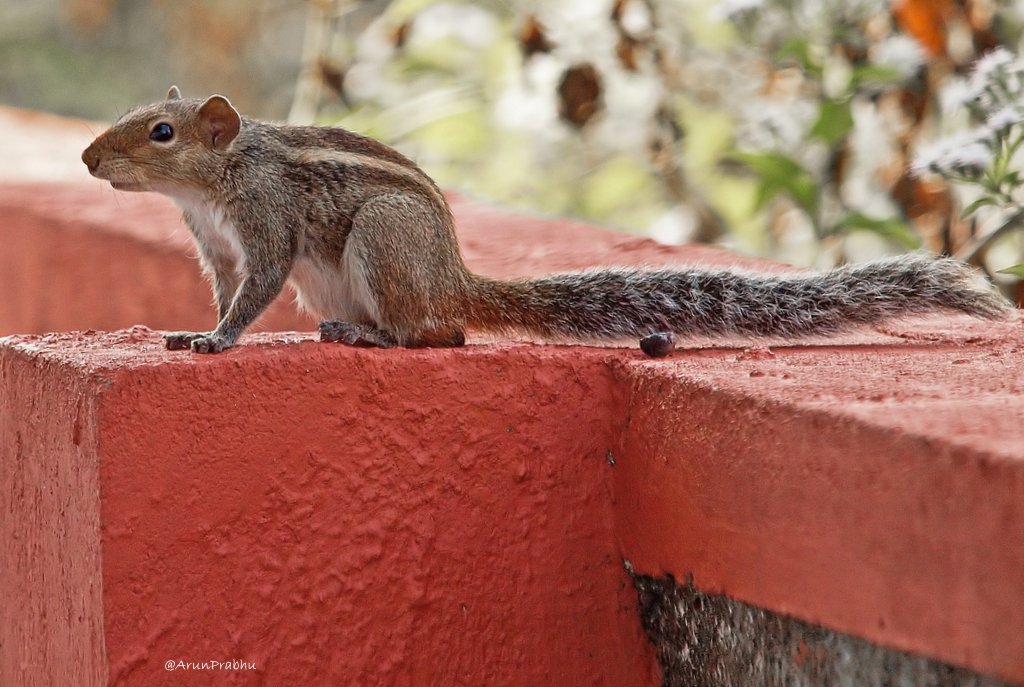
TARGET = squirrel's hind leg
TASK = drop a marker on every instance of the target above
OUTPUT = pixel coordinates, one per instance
(355, 334)
(406, 276)
(438, 339)
(366, 336)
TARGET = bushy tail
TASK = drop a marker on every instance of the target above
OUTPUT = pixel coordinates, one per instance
(625, 302)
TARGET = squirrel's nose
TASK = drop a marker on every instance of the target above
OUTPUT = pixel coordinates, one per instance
(91, 159)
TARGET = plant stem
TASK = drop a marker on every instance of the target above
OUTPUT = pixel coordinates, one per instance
(973, 252)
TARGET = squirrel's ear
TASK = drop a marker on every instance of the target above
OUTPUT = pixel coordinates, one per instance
(219, 120)
(173, 93)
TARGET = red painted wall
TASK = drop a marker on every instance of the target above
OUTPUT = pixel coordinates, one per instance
(876, 490)
(343, 516)
(51, 604)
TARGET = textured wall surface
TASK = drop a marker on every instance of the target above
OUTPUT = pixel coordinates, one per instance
(51, 611)
(254, 508)
(419, 516)
(878, 490)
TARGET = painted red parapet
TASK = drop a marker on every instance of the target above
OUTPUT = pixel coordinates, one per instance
(50, 565)
(252, 507)
(878, 490)
(454, 517)
(81, 257)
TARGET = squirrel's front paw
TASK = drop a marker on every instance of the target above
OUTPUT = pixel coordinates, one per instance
(209, 343)
(177, 341)
(197, 342)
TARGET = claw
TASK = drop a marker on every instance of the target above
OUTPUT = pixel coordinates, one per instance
(197, 342)
(179, 341)
(208, 344)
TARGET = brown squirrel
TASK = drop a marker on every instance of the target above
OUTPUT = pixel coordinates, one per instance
(367, 241)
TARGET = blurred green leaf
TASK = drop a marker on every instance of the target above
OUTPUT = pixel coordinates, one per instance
(834, 121)
(446, 56)
(890, 228)
(1016, 270)
(617, 183)
(980, 202)
(781, 174)
(461, 135)
(404, 10)
(873, 74)
(800, 50)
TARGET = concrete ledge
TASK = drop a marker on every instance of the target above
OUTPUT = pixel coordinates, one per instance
(874, 490)
(424, 516)
(50, 566)
(251, 508)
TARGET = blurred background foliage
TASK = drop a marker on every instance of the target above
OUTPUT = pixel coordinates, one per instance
(783, 128)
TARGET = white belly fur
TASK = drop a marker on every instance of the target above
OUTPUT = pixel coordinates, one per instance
(333, 292)
(316, 289)
(329, 292)
(213, 229)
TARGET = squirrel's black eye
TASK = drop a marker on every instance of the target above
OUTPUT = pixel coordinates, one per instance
(161, 133)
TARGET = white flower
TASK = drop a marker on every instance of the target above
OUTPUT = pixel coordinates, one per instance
(973, 156)
(988, 66)
(471, 25)
(1004, 118)
(996, 85)
(636, 19)
(774, 124)
(967, 153)
(957, 94)
(900, 53)
(998, 77)
(726, 9)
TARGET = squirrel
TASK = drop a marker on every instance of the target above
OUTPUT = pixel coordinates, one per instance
(367, 241)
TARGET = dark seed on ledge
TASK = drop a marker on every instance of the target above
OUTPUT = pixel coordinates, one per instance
(658, 345)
